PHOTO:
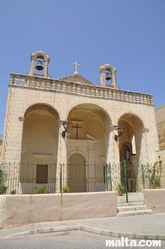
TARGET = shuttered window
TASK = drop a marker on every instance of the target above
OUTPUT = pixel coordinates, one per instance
(42, 173)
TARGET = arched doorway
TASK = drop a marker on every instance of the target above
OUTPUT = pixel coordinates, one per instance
(77, 173)
(90, 124)
(130, 147)
(126, 154)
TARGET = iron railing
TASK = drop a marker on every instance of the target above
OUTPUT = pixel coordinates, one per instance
(80, 178)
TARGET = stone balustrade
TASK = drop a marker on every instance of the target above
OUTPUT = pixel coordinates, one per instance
(53, 85)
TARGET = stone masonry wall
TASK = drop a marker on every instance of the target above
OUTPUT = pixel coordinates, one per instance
(23, 209)
(155, 200)
(160, 121)
(20, 99)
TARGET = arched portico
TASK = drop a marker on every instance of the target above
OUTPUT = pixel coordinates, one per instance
(89, 128)
(39, 146)
(131, 145)
(133, 127)
(88, 134)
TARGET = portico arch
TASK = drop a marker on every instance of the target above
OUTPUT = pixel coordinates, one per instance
(39, 146)
(133, 128)
(89, 128)
(88, 135)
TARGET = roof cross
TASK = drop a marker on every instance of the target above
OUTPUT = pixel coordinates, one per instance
(76, 65)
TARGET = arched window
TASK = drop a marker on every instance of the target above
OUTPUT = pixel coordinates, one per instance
(133, 146)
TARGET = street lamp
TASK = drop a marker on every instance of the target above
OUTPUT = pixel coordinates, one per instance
(65, 125)
(120, 130)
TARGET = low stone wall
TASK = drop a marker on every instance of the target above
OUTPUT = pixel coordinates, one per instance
(155, 200)
(22, 209)
(2, 210)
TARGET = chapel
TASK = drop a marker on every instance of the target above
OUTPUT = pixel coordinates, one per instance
(51, 124)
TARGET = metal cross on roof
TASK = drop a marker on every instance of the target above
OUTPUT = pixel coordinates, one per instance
(76, 65)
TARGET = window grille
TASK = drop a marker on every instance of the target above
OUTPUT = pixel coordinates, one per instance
(41, 174)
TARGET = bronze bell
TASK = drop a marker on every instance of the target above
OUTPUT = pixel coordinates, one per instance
(108, 76)
(39, 66)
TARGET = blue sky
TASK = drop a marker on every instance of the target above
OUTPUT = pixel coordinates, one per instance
(128, 34)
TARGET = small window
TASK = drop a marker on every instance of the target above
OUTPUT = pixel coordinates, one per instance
(41, 173)
(133, 146)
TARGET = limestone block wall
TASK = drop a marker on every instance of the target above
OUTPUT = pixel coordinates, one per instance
(161, 154)
(160, 121)
(155, 200)
(23, 209)
(160, 113)
(63, 99)
(2, 211)
(161, 134)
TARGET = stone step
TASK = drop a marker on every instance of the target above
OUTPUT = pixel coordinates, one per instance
(123, 204)
(131, 208)
(132, 213)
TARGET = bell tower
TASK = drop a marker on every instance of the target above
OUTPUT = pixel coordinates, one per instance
(39, 64)
(108, 76)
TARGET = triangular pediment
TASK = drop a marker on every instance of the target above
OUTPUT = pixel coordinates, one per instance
(77, 78)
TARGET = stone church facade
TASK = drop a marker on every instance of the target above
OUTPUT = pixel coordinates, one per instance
(38, 106)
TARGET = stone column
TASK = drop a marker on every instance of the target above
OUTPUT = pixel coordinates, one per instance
(114, 78)
(12, 144)
(142, 151)
(110, 159)
(142, 147)
(32, 65)
(113, 159)
(61, 160)
(46, 67)
(110, 145)
(102, 78)
(12, 139)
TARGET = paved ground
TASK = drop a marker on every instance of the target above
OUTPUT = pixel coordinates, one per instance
(65, 240)
(137, 227)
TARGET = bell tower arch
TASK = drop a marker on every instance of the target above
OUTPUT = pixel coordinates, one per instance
(39, 64)
(108, 76)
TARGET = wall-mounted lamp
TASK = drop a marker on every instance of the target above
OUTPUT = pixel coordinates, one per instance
(120, 130)
(65, 125)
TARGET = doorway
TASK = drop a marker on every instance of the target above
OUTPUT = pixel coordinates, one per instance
(77, 173)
